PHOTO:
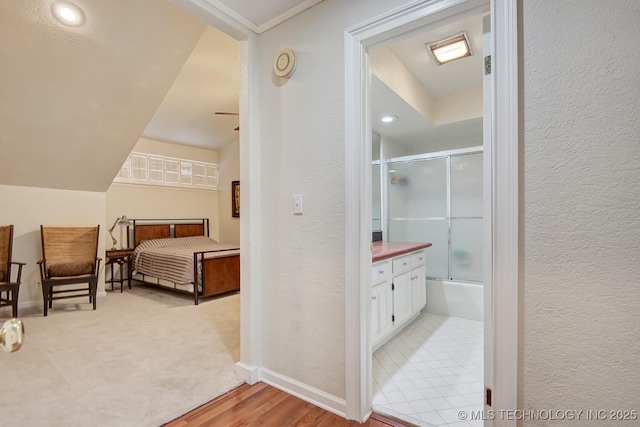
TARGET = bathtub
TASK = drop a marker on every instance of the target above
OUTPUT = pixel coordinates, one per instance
(456, 298)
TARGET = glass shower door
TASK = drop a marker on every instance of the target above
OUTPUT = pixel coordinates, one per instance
(418, 208)
(439, 200)
(376, 198)
(466, 217)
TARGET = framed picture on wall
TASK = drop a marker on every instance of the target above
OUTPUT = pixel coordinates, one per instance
(235, 199)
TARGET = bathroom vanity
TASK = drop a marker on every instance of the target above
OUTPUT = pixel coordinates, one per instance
(399, 289)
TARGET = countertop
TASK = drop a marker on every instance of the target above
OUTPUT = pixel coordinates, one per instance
(384, 250)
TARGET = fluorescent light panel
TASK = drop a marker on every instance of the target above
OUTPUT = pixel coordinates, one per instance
(451, 49)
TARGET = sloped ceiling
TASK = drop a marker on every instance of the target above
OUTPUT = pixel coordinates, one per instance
(208, 82)
(74, 101)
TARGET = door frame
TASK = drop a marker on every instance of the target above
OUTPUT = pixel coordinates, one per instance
(505, 193)
(250, 168)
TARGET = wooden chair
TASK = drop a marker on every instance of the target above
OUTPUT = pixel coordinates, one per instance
(9, 290)
(69, 257)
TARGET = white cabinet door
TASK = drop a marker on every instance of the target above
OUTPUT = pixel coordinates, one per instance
(381, 306)
(402, 296)
(419, 288)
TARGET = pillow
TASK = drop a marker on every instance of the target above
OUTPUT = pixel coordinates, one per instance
(70, 269)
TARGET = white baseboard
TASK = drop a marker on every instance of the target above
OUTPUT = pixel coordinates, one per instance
(250, 374)
(305, 392)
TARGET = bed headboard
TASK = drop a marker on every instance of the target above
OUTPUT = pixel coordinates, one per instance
(145, 229)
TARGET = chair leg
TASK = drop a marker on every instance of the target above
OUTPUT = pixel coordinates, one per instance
(45, 299)
(14, 301)
(94, 290)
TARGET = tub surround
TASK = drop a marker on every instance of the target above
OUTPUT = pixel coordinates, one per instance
(384, 250)
(456, 298)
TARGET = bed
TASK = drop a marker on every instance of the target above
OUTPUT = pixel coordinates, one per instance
(179, 255)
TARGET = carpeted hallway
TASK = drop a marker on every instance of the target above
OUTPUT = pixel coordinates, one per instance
(143, 358)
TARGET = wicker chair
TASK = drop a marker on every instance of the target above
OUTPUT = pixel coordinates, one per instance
(69, 257)
(9, 290)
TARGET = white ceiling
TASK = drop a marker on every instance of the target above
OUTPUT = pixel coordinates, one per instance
(75, 100)
(260, 16)
(96, 89)
(449, 78)
(209, 81)
(438, 81)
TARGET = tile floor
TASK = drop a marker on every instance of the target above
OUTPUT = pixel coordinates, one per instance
(431, 371)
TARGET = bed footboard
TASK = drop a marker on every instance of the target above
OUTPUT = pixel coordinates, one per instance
(218, 275)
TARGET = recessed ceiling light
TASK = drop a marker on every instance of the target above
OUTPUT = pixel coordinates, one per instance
(388, 119)
(450, 49)
(67, 13)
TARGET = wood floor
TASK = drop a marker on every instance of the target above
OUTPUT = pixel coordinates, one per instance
(264, 405)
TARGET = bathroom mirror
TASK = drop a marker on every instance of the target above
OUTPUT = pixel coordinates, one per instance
(376, 196)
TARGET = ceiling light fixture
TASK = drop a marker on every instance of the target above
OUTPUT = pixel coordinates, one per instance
(450, 49)
(67, 13)
(388, 119)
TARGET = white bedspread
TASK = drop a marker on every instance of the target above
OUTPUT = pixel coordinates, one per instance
(172, 258)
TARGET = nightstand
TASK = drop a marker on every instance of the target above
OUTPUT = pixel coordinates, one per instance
(119, 257)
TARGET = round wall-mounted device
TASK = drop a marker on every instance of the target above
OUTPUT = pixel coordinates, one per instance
(285, 63)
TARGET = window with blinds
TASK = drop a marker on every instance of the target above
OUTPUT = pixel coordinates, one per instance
(152, 169)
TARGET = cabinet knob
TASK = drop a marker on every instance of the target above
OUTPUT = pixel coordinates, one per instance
(375, 297)
(404, 263)
(380, 271)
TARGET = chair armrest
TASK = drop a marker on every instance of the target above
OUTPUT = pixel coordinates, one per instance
(42, 264)
(20, 265)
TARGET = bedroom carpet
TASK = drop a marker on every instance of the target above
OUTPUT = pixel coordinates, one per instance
(143, 358)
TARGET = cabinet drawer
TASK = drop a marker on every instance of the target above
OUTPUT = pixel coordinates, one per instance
(401, 264)
(380, 271)
(418, 259)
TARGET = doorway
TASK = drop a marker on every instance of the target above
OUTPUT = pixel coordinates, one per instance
(429, 164)
(502, 155)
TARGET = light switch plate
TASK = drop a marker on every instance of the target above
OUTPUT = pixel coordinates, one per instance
(297, 204)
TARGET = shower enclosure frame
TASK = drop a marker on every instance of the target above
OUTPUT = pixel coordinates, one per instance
(384, 186)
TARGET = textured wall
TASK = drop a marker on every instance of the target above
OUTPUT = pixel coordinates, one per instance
(302, 138)
(582, 204)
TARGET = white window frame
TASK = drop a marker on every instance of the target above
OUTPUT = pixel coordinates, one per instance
(157, 170)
